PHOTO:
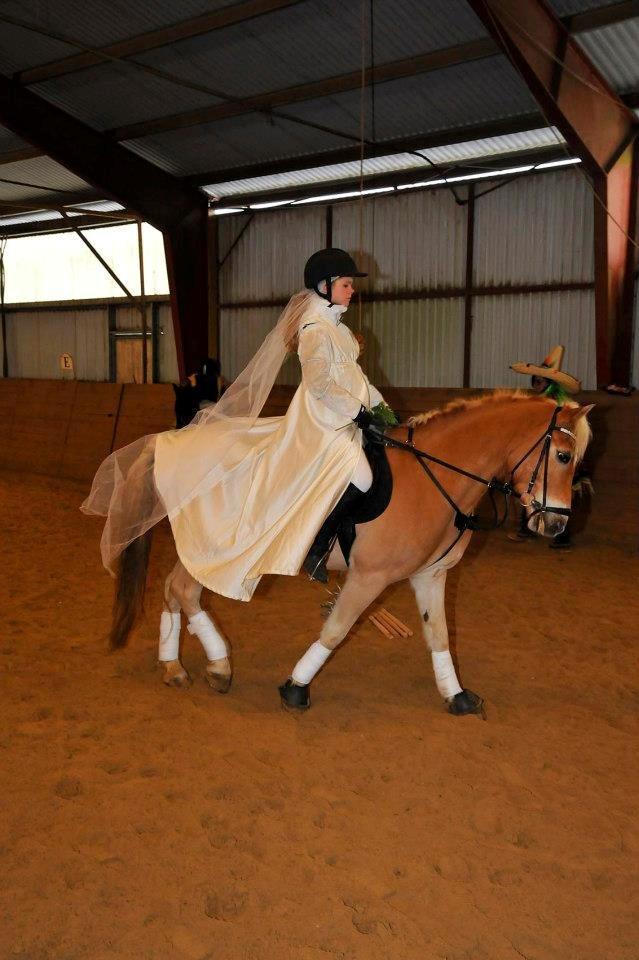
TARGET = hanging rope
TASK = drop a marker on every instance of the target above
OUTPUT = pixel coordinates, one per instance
(362, 118)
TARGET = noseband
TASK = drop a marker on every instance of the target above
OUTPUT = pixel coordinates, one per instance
(470, 521)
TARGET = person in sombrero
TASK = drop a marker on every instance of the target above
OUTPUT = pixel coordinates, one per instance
(549, 379)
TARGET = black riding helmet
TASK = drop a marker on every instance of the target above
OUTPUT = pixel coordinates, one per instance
(328, 263)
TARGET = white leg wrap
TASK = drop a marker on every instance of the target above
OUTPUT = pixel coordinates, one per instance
(445, 676)
(312, 661)
(169, 646)
(211, 639)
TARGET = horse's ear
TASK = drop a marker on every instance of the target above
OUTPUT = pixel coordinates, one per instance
(584, 411)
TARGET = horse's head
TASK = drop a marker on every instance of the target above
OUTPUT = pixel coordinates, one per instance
(544, 468)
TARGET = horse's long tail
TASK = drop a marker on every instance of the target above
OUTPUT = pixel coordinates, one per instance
(129, 590)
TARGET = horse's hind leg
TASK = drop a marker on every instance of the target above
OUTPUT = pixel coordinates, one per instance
(169, 646)
(187, 592)
(358, 592)
(429, 587)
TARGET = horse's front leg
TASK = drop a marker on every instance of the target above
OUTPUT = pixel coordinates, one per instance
(358, 592)
(182, 589)
(430, 588)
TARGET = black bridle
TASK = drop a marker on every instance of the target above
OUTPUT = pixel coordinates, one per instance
(470, 521)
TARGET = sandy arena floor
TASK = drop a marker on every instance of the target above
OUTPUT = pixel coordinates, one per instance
(141, 822)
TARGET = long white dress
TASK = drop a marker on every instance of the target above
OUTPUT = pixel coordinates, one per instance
(282, 476)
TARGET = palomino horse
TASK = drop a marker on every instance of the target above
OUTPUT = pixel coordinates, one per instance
(514, 440)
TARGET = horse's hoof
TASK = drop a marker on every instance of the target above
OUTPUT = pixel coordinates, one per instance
(220, 682)
(177, 677)
(465, 703)
(295, 696)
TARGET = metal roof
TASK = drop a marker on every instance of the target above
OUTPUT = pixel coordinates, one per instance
(171, 93)
(615, 51)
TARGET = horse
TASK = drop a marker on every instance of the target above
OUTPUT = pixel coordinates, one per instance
(441, 464)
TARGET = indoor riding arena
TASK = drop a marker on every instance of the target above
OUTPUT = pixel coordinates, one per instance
(169, 174)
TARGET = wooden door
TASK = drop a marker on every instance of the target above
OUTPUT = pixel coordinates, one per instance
(128, 360)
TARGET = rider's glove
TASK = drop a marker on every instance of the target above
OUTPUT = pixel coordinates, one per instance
(364, 418)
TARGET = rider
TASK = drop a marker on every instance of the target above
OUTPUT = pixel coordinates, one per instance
(328, 354)
(245, 494)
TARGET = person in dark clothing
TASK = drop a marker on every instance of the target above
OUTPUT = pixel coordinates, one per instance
(200, 390)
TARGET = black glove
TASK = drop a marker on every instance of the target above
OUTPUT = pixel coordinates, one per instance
(364, 418)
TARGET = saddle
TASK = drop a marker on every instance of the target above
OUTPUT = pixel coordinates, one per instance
(370, 504)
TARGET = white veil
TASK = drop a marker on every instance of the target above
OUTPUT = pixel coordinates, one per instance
(124, 489)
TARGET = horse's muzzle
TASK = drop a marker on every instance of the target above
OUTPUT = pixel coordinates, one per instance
(546, 522)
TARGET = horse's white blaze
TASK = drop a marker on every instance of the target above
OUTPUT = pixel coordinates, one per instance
(201, 625)
(169, 645)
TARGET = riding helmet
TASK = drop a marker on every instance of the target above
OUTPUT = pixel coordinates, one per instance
(328, 263)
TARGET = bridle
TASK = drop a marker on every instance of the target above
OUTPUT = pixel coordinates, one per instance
(545, 440)
(470, 521)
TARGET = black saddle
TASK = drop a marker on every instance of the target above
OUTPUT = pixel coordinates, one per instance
(372, 503)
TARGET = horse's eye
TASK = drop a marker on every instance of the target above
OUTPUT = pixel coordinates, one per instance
(563, 456)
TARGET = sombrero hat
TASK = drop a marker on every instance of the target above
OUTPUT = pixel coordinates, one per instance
(550, 369)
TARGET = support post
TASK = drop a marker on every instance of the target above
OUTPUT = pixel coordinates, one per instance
(468, 296)
(214, 286)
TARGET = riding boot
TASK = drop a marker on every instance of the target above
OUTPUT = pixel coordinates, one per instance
(315, 563)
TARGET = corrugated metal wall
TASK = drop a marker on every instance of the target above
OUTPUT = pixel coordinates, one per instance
(265, 264)
(411, 240)
(35, 340)
(414, 343)
(537, 230)
(525, 327)
(534, 231)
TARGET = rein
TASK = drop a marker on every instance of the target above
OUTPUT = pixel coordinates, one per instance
(470, 521)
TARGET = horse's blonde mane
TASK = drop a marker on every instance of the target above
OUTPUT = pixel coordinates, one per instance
(456, 406)
(581, 426)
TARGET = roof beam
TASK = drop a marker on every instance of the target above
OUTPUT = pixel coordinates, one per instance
(398, 69)
(600, 129)
(183, 30)
(139, 185)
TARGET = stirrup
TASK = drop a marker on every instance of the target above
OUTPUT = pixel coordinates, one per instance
(315, 567)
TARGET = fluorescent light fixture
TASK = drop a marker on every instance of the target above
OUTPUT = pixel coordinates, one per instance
(344, 196)
(490, 173)
(221, 211)
(420, 183)
(269, 203)
(558, 163)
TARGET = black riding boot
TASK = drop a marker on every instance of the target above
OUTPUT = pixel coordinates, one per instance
(315, 563)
